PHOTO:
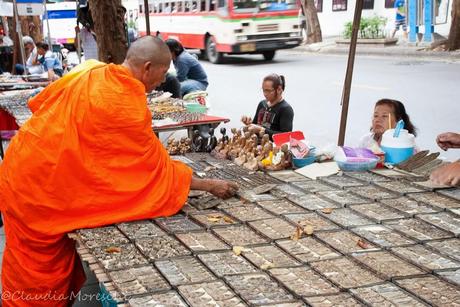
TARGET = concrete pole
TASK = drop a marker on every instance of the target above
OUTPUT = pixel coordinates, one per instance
(413, 20)
(428, 21)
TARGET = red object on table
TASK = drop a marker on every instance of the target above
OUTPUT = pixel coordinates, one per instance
(7, 122)
(284, 137)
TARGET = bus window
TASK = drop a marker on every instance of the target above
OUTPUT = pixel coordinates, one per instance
(195, 6)
(275, 5)
(177, 7)
(222, 8)
(166, 8)
(188, 6)
(212, 5)
(245, 5)
(141, 9)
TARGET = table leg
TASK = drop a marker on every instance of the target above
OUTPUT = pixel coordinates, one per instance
(2, 153)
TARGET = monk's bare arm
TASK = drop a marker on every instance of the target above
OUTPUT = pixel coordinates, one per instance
(220, 188)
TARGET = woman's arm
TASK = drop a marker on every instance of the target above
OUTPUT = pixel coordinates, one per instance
(49, 65)
(35, 58)
(51, 75)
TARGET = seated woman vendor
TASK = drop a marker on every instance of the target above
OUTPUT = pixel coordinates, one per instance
(273, 114)
(387, 112)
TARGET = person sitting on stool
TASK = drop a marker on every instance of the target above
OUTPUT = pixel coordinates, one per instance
(171, 85)
(190, 73)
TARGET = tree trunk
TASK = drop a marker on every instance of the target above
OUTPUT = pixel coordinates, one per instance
(453, 42)
(32, 26)
(16, 51)
(313, 27)
(108, 16)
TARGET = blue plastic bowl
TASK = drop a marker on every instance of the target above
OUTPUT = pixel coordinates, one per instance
(301, 162)
(397, 155)
(357, 166)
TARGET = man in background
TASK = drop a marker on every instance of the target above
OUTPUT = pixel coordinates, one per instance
(33, 66)
(400, 19)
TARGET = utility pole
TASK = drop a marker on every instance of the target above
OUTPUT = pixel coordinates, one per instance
(349, 74)
(147, 16)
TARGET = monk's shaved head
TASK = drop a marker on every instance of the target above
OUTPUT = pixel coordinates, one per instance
(148, 49)
(148, 59)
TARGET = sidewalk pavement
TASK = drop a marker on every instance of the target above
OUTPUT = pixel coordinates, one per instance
(402, 49)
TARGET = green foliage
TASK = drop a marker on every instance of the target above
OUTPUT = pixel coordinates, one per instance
(369, 27)
(348, 28)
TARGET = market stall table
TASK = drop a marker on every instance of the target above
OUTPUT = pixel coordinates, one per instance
(203, 124)
(13, 107)
(263, 249)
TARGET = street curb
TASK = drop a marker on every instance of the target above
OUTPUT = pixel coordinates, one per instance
(394, 51)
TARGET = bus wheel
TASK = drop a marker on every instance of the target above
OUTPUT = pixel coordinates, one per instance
(202, 54)
(268, 55)
(212, 54)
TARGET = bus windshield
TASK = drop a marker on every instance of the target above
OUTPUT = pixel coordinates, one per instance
(263, 5)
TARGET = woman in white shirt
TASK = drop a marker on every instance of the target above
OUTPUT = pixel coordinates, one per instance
(386, 112)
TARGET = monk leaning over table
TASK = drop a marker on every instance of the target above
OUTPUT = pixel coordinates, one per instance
(86, 158)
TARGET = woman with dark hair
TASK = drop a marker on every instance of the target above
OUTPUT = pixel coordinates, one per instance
(273, 114)
(50, 62)
(190, 73)
(386, 112)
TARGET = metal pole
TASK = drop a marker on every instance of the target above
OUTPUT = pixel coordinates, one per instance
(349, 74)
(48, 25)
(19, 31)
(78, 42)
(147, 16)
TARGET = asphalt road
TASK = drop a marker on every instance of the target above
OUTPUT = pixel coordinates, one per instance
(430, 91)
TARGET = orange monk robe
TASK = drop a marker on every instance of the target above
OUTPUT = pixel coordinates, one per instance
(86, 158)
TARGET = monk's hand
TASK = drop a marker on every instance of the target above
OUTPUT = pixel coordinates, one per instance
(222, 189)
(448, 140)
(448, 174)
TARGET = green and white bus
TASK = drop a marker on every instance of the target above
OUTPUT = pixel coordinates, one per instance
(219, 27)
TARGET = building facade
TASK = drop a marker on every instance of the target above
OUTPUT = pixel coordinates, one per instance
(333, 14)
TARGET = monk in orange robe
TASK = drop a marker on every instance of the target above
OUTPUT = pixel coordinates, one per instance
(86, 158)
